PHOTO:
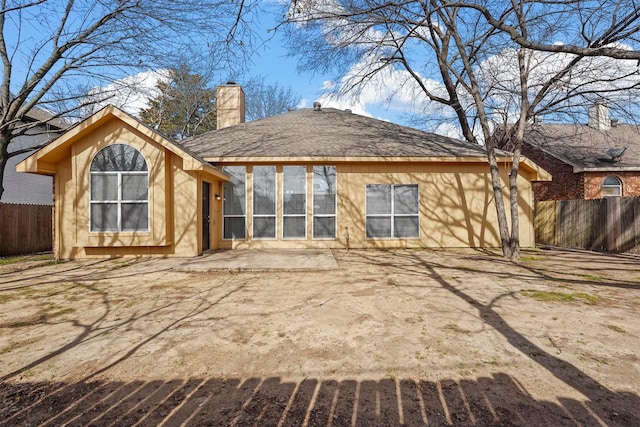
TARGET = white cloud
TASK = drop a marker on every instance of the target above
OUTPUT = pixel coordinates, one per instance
(131, 93)
(392, 89)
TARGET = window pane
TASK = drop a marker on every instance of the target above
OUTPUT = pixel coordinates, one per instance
(611, 187)
(378, 199)
(118, 157)
(264, 227)
(104, 187)
(294, 189)
(234, 191)
(264, 190)
(135, 217)
(324, 190)
(611, 180)
(234, 228)
(324, 204)
(294, 226)
(134, 187)
(405, 199)
(611, 191)
(405, 226)
(378, 226)
(104, 217)
(324, 227)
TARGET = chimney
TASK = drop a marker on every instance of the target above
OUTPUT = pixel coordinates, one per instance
(599, 116)
(230, 105)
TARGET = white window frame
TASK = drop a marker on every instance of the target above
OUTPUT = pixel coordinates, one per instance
(335, 207)
(392, 215)
(617, 186)
(302, 215)
(119, 201)
(275, 203)
(243, 216)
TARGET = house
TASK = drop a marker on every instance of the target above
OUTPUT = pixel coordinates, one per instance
(29, 188)
(310, 178)
(586, 161)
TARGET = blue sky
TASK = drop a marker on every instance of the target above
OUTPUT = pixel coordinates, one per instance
(391, 95)
(274, 63)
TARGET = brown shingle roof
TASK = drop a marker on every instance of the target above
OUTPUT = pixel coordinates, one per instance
(326, 133)
(583, 147)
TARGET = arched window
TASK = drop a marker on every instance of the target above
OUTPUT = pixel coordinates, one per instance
(119, 190)
(611, 187)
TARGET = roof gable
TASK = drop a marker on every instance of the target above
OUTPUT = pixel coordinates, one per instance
(43, 161)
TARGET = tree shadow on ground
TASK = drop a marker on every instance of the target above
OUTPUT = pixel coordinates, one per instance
(495, 400)
(488, 401)
(608, 406)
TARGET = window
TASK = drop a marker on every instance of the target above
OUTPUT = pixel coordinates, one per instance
(324, 202)
(119, 188)
(611, 187)
(264, 202)
(234, 206)
(294, 202)
(392, 211)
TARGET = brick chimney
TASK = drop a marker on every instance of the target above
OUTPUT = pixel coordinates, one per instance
(599, 116)
(230, 105)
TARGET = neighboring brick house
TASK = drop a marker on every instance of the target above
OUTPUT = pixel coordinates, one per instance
(584, 159)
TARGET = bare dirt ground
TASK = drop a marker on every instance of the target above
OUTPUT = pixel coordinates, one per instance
(389, 338)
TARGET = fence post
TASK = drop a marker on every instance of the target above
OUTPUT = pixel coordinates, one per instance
(614, 229)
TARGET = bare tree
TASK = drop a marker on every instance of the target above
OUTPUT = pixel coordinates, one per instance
(493, 64)
(54, 51)
(268, 100)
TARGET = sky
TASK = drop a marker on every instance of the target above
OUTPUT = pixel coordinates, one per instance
(273, 62)
(387, 97)
(382, 99)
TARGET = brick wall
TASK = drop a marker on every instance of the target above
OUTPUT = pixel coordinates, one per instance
(593, 183)
(565, 184)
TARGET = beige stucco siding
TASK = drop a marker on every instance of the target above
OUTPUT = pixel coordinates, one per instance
(455, 201)
(174, 201)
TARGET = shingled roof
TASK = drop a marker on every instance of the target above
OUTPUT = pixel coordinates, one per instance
(327, 133)
(583, 147)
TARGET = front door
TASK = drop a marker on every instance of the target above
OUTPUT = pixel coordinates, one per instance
(206, 213)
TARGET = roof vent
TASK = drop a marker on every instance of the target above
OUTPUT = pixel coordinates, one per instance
(615, 153)
(348, 111)
(316, 106)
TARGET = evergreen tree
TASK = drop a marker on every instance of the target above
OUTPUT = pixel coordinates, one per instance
(184, 107)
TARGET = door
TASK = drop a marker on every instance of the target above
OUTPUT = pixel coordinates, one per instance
(206, 214)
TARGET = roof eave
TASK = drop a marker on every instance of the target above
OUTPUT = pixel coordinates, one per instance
(349, 159)
(43, 160)
(539, 174)
(578, 169)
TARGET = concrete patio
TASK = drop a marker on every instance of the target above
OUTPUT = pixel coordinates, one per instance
(262, 260)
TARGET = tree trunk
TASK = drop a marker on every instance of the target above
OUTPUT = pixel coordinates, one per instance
(496, 184)
(4, 157)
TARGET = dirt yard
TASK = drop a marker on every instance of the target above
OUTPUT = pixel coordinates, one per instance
(389, 338)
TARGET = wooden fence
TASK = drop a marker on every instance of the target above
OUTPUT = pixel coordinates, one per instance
(611, 224)
(25, 229)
